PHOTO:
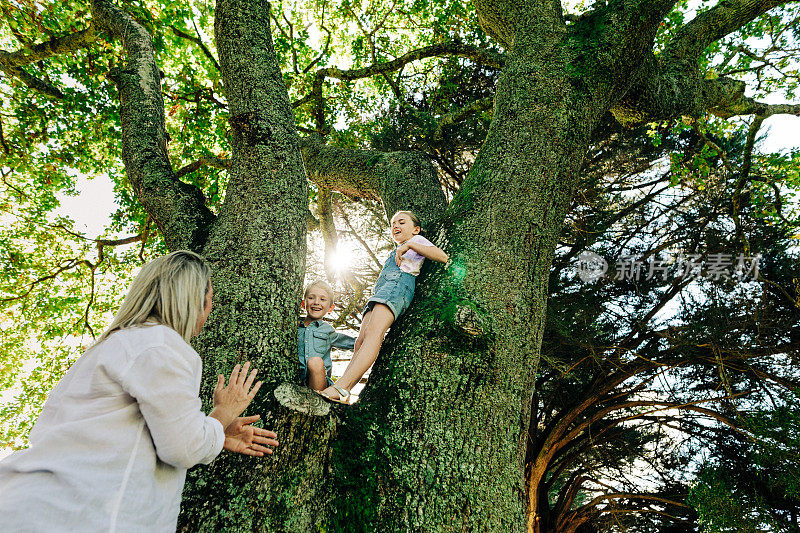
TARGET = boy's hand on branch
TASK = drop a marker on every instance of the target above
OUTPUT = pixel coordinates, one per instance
(242, 437)
(232, 399)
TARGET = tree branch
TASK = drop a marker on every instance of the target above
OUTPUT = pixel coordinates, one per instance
(402, 180)
(11, 63)
(457, 49)
(66, 265)
(725, 105)
(361, 174)
(215, 162)
(747, 159)
(632, 496)
(199, 42)
(266, 167)
(726, 17)
(325, 48)
(6, 149)
(40, 86)
(178, 208)
(47, 49)
(670, 91)
(328, 226)
(478, 106)
(672, 85)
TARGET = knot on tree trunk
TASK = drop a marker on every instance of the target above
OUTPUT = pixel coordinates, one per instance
(301, 399)
(470, 321)
(253, 131)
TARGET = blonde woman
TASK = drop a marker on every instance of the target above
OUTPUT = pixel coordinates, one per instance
(110, 449)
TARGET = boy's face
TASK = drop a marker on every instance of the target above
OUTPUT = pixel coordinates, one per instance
(317, 302)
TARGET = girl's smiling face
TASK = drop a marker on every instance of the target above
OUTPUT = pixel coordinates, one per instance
(403, 228)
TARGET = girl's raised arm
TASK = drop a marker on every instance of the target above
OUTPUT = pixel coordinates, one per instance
(431, 251)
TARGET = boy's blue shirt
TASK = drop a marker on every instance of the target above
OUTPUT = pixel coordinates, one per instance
(316, 339)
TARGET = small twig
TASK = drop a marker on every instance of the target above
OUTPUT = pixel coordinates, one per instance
(355, 234)
(291, 42)
(478, 106)
(199, 42)
(327, 43)
(2, 136)
(752, 134)
(92, 268)
(12, 187)
(145, 236)
(99, 242)
(70, 264)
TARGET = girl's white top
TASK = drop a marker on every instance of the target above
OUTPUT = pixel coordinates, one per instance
(112, 445)
(412, 261)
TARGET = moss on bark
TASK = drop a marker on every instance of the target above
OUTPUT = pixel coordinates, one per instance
(437, 441)
(257, 249)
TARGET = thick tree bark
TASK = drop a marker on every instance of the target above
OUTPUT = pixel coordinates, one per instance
(437, 441)
(673, 84)
(402, 180)
(257, 249)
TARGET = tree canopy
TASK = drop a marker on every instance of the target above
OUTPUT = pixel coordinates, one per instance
(525, 133)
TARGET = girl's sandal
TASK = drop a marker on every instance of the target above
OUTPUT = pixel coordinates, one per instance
(344, 395)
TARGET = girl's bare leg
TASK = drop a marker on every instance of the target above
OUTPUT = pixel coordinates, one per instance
(374, 327)
(360, 338)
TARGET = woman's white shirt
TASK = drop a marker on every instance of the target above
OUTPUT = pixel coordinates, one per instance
(110, 449)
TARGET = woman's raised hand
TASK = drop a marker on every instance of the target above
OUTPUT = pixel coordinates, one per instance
(232, 399)
(242, 437)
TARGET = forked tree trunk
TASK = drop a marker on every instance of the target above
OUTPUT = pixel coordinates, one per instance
(439, 428)
(436, 442)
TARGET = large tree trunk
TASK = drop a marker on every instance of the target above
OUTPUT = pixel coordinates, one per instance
(257, 249)
(456, 373)
(437, 441)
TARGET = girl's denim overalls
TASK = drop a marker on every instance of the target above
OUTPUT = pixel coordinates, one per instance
(394, 288)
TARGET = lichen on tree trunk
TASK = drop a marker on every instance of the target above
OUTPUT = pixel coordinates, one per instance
(436, 442)
(257, 249)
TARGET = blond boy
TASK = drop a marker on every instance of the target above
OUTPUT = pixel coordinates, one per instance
(315, 336)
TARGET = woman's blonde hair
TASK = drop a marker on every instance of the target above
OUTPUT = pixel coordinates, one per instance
(169, 290)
